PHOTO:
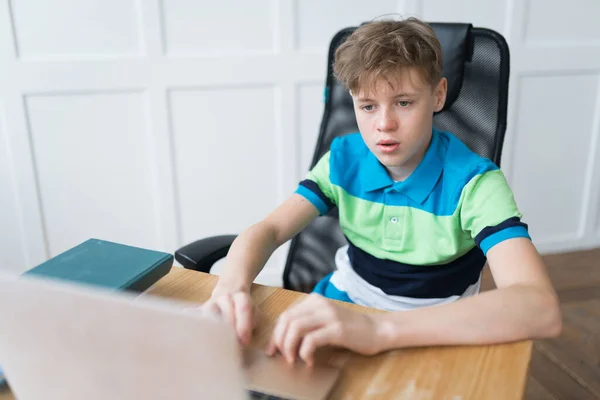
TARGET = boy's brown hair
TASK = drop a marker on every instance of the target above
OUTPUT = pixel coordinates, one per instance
(383, 49)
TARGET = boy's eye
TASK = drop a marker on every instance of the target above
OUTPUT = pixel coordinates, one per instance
(404, 103)
(367, 107)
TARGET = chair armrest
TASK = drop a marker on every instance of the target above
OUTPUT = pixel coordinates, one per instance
(202, 254)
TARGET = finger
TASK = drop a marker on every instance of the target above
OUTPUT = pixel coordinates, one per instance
(271, 348)
(303, 308)
(278, 333)
(328, 335)
(297, 329)
(225, 304)
(244, 316)
(292, 327)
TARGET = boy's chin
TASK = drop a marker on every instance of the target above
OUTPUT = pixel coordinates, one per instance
(390, 161)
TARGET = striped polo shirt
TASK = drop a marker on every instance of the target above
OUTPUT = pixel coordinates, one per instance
(422, 238)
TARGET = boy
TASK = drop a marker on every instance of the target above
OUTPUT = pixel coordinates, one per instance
(421, 213)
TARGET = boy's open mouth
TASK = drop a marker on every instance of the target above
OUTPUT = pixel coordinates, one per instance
(388, 146)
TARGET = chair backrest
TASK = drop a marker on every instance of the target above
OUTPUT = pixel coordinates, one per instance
(476, 64)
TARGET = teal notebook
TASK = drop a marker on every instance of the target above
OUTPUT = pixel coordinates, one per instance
(107, 264)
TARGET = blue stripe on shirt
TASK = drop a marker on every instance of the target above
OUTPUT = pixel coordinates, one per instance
(327, 289)
(508, 233)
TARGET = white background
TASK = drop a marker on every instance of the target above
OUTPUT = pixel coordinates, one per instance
(158, 122)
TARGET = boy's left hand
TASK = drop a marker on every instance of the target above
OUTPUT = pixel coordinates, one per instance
(317, 322)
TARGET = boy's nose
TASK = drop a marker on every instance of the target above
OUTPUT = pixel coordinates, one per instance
(387, 123)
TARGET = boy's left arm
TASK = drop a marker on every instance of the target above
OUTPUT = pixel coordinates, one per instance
(524, 306)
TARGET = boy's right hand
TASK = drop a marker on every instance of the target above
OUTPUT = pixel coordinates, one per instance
(237, 309)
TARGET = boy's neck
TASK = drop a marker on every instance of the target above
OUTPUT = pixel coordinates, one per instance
(399, 174)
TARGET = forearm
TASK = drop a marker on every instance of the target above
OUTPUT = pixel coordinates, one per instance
(253, 247)
(246, 257)
(502, 315)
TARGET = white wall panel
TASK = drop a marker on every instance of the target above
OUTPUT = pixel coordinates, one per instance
(310, 114)
(551, 152)
(554, 22)
(76, 28)
(227, 163)
(94, 168)
(12, 250)
(226, 156)
(205, 27)
(318, 20)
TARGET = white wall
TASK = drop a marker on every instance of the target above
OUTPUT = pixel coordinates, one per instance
(158, 122)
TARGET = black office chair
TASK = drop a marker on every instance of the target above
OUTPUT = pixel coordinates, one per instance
(476, 64)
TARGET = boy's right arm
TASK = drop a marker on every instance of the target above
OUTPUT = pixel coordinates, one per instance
(247, 256)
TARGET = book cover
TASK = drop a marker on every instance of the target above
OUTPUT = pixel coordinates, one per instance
(107, 264)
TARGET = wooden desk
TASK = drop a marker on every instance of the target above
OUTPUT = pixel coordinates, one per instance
(467, 372)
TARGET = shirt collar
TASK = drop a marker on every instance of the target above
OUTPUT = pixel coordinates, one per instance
(419, 183)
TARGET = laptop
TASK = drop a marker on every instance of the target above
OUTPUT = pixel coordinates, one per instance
(61, 340)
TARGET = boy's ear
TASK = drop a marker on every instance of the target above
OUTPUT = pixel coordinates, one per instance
(439, 93)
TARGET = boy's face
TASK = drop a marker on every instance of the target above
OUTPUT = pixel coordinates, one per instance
(395, 121)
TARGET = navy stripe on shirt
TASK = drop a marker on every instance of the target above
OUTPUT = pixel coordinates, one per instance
(419, 281)
(490, 230)
(313, 187)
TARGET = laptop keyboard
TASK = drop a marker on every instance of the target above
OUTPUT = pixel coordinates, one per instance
(254, 395)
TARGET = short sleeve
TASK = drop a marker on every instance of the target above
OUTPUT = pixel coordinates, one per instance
(488, 210)
(317, 187)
